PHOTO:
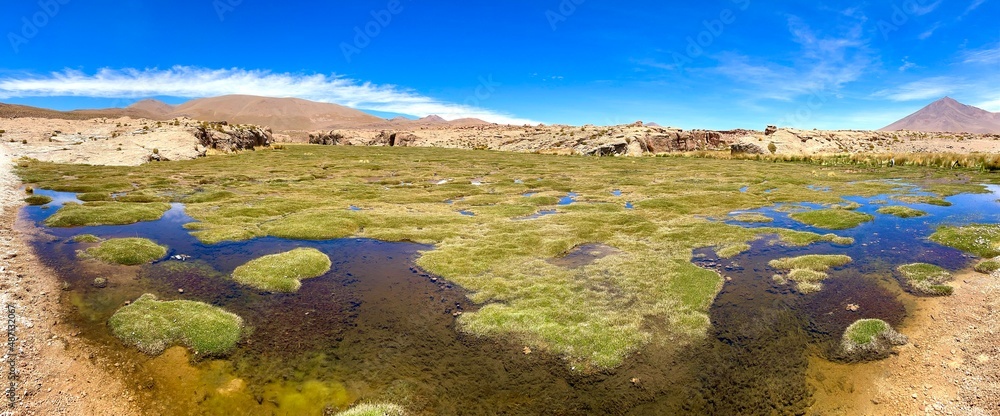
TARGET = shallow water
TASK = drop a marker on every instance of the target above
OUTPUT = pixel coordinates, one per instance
(377, 328)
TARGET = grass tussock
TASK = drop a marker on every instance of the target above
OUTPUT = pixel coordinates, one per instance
(87, 238)
(922, 199)
(832, 219)
(988, 266)
(374, 409)
(901, 211)
(283, 272)
(752, 217)
(152, 325)
(927, 279)
(982, 240)
(807, 271)
(127, 251)
(105, 213)
(37, 200)
(870, 338)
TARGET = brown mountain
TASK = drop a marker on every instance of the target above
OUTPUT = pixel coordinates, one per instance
(15, 110)
(948, 115)
(151, 106)
(277, 113)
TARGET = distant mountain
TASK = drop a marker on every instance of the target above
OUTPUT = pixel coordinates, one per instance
(155, 107)
(948, 115)
(15, 110)
(277, 113)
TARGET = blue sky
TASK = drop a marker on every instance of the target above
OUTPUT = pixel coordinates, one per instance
(715, 64)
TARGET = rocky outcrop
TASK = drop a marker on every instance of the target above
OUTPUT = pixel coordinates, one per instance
(328, 139)
(231, 138)
(746, 149)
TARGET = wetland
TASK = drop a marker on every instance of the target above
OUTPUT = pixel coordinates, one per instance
(473, 282)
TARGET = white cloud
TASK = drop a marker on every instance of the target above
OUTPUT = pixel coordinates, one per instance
(930, 32)
(823, 64)
(993, 106)
(193, 82)
(925, 89)
(975, 5)
(987, 55)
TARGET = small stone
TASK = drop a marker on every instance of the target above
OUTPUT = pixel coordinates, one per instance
(100, 283)
(180, 290)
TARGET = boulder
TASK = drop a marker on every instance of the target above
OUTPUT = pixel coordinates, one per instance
(746, 149)
(228, 138)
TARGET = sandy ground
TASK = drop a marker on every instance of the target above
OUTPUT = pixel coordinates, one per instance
(950, 367)
(57, 372)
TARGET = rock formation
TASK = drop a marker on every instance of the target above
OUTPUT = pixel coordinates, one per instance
(227, 138)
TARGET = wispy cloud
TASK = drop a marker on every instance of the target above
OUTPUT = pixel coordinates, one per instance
(930, 32)
(925, 89)
(194, 82)
(987, 55)
(823, 64)
(922, 10)
(975, 5)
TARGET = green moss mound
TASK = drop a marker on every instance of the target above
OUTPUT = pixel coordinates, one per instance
(106, 213)
(37, 200)
(374, 409)
(988, 266)
(922, 199)
(94, 196)
(902, 212)
(927, 278)
(87, 238)
(832, 219)
(282, 272)
(152, 325)
(870, 339)
(128, 251)
(982, 240)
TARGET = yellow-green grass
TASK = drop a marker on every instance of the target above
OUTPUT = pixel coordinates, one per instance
(901, 211)
(870, 336)
(733, 250)
(815, 262)
(832, 219)
(808, 272)
(106, 213)
(374, 409)
(152, 325)
(922, 199)
(283, 272)
(752, 217)
(988, 266)
(982, 240)
(37, 200)
(87, 238)
(927, 278)
(127, 251)
(648, 293)
(94, 196)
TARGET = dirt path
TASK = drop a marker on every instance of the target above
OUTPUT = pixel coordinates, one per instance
(950, 367)
(56, 372)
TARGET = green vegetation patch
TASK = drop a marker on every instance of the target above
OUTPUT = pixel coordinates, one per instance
(922, 199)
(832, 219)
(982, 240)
(37, 200)
(927, 278)
(106, 213)
(901, 211)
(282, 272)
(374, 409)
(814, 262)
(315, 225)
(152, 325)
(128, 251)
(87, 238)
(732, 250)
(807, 271)
(752, 217)
(988, 266)
(870, 338)
(94, 196)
